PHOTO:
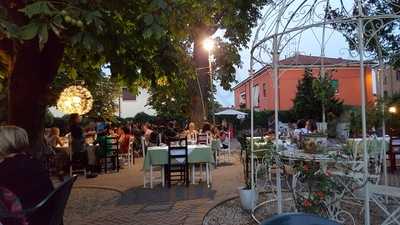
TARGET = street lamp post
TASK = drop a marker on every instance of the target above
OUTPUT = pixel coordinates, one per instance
(392, 110)
(209, 46)
(392, 157)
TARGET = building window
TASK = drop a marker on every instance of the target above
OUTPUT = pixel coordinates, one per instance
(127, 96)
(242, 100)
(264, 89)
(398, 75)
(256, 92)
(335, 84)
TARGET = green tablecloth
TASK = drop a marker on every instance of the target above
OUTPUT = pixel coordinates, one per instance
(158, 155)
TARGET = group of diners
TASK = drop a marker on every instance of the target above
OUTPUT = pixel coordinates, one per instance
(156, 135)
(89, 144)
(25, 180)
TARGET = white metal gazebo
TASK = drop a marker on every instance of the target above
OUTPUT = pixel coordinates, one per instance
(282, 32)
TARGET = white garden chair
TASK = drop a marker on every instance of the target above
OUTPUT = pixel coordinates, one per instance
(387, 198)
(225, 153)
(128, 157)
(151, 171)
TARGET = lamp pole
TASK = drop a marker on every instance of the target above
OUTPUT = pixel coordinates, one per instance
(209, 46)
(211, 86)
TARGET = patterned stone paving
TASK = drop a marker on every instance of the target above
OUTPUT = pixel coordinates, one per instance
(120, 199)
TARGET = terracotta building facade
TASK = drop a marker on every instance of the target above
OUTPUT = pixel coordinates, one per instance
(391, 81)
(345, 75)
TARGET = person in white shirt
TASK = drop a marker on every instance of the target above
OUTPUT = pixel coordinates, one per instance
(301, 129)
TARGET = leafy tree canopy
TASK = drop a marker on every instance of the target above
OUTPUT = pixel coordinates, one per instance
(382, 34)
(141, 42)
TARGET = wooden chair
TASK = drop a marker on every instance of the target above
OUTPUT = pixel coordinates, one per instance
(110, 153)
(393, 151)
(203, 139)
(129, 157)
(178, 165)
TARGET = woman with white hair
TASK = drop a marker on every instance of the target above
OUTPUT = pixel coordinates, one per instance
(20, 173)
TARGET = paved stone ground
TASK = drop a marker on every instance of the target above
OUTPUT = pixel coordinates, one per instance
(120, 199)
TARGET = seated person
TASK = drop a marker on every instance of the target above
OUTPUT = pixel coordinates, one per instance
(21, 174)
(311, 126)
(215, 134)
(224, 139)
(147, 131)
(154, 139)
(170, 132)
(124, 140)
(301, 129)
(61, 156)
(11, 205)
(192, 133)
(54, 139)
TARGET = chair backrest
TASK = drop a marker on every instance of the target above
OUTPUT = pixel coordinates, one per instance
(143, 144)
(112, 144)
(395, 142)
(178, 151)
(131, 144)
(202, 139)
(52, 207)
(215, 145)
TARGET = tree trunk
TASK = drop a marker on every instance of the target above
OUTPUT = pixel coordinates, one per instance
(199, 88)
(32, 73)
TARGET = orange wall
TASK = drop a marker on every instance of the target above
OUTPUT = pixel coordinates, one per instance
(348, 79)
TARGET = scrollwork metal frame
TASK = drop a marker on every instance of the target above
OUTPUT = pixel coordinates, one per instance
(285, 22)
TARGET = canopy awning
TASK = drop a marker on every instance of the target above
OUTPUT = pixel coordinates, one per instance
(231, 112)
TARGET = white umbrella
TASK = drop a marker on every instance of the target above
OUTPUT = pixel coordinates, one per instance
(230, 112)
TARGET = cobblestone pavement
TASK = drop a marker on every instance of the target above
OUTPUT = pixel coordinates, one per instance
(120, 199)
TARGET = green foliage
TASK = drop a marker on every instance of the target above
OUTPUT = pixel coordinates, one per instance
(105, 92)
(143, 117)
(386, 39)
(374, 117)
(317, 188)
(48, 119)
(312, 94)
(139, 41)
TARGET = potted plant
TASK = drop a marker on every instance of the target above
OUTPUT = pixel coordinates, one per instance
(248, 196)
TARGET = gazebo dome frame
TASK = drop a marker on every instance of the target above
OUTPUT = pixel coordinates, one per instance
(284, 23)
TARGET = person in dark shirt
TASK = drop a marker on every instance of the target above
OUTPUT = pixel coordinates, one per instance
(20, 173)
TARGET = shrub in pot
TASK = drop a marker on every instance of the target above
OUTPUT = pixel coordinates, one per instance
(248, 196)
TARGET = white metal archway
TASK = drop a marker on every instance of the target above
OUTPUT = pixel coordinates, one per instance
(282, 28)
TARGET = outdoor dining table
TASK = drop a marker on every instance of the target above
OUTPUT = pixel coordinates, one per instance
(329, 164)
(300, 155)
(373, 144)
(158, 156)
